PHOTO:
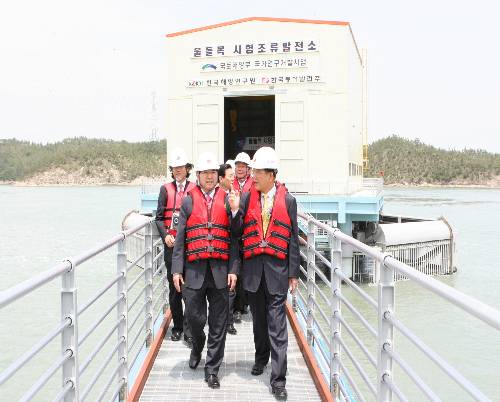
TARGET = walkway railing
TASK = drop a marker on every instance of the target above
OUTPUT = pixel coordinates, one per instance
(321, 303)
(132, 326)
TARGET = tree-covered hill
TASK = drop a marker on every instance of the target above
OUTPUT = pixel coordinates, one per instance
(410, 161)
(20, 160)
(401, 161)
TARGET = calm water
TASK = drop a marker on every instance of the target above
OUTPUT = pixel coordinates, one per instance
(41, 226)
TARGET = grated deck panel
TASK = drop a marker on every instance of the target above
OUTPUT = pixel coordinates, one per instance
(171, 379)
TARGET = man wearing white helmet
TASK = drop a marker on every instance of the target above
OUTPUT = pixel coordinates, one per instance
(205, 261)
(167, 217)
(266, 218)
(242, 181)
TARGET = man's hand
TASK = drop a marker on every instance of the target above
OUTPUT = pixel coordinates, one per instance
(178, 282)
(234, 199)
(292, 284)
(169, 240)
(231, 281)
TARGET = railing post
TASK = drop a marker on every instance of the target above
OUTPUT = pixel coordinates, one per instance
(311, 261)
(122, 316)
(386, 304)
(335, 291)
(148, 277)
(165, 288)
(69, 336)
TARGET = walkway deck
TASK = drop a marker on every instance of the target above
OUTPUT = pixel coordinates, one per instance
(171, 379)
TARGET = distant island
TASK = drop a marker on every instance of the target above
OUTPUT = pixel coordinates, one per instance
(410, 162)
(84, 161)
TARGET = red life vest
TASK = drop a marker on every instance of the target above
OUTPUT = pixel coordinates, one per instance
(246, 187)
(275, 241)
(172, 205)
(208, 238)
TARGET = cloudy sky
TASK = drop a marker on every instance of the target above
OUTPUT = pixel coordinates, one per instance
(89, 68)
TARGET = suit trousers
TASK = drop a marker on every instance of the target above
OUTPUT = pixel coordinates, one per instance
(270, 331)
(241, 298)
(175, 298)
(232, 298)
(196, 312)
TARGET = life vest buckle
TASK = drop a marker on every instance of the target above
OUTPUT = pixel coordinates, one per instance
(263, 243)
(210, 249)
(210, 236)
(209, 225)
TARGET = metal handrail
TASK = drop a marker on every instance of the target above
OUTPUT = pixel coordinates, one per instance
(388, 267)
(136, 279)
(96, 297)
(22, 289)
(417, 380)
(97, 349)
(96, 376)
(98, 321)
(361, 371)
(68, 328)
(134, 263)
(27, 356)
(445, 366)
(46, 376)
(131, 305)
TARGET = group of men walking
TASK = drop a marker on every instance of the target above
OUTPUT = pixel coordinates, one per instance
(227, 239)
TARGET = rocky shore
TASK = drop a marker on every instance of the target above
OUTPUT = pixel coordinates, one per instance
(61, 177)
(81, 177)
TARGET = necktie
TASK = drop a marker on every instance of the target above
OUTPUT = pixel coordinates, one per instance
(208, 199)
(266, 213)
(180, 194)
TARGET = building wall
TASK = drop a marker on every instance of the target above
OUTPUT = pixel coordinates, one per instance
(318, 124)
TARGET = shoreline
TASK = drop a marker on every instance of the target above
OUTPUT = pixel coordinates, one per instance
(153, 181)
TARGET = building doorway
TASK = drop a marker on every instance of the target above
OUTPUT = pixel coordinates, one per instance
(248, 124)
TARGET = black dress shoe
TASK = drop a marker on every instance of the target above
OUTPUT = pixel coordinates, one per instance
(194, 360)
(280, 393)
(257, 369)
(231, 329)
(213, 381)
(237, 316)
(189, 341)
(176, 335)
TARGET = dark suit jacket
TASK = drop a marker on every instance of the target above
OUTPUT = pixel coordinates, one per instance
(194, 272)
(276, 272)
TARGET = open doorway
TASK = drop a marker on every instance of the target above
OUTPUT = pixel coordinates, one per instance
(248, 124)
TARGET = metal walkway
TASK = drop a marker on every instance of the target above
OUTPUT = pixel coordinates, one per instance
(171, 379)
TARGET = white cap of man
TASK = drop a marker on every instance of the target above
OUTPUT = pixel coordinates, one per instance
(177, 158)
(207, 161)
(242, 157)
(265, 158)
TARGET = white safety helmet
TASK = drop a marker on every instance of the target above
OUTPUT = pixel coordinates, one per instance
(265, 158)
(207, 161)
(177, 158)
(230, 162)
(242, 157)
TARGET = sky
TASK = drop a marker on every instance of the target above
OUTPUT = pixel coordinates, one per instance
(89, 68)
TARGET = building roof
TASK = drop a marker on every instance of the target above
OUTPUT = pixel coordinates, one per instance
(233, 22)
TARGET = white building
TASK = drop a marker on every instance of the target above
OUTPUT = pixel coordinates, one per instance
(296, 85)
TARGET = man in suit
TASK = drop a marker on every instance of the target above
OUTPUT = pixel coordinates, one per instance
(226, 177)
(266, 218)
(167, 218)
(205, 261)
(243, 182)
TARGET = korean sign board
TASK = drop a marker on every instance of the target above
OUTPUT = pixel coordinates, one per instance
(254, 143)
(255, 64)
(255, 80)
(256, 48)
